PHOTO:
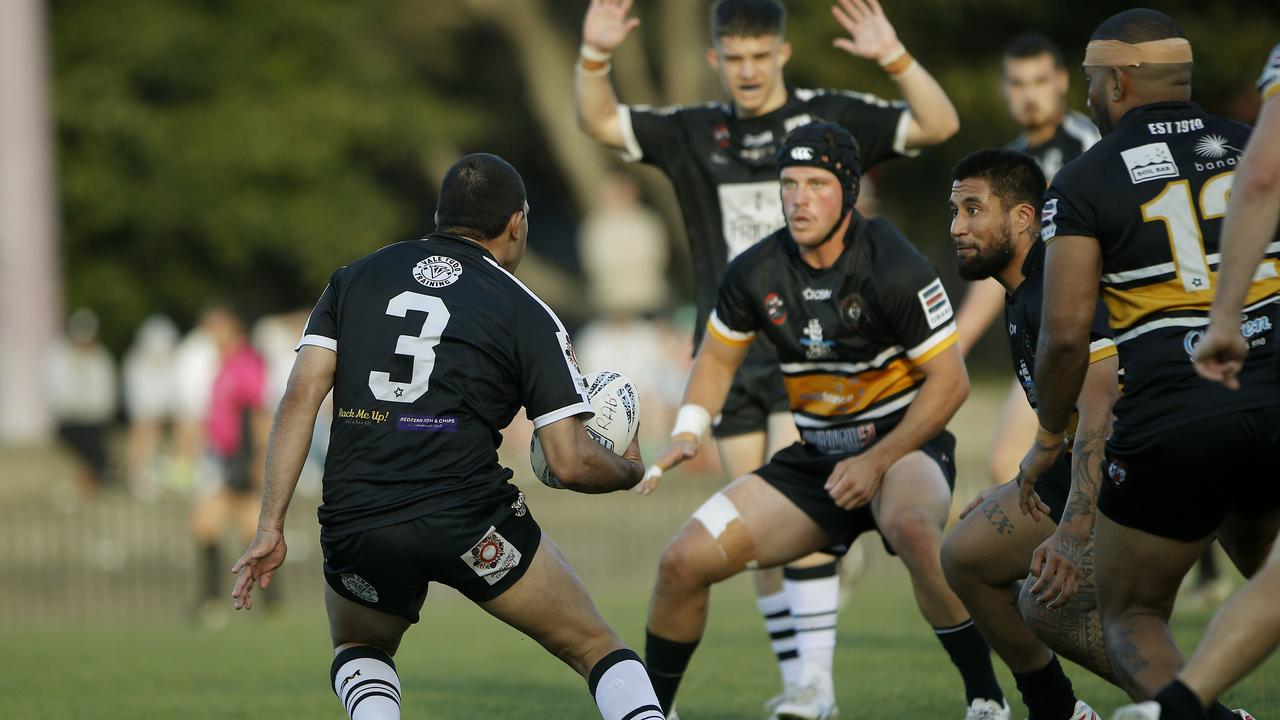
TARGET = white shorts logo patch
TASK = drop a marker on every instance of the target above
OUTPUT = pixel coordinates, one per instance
(359, 587)
(493, 557)
(1149, 162)
(936, 305)
(437, 271)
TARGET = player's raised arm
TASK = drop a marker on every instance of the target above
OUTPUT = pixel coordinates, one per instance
(719, 357)
(604, 28)
(933, 117)
(309, 383)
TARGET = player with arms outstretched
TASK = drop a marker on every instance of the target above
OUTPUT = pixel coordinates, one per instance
(430, 347)
(1136, 220)
(720, 159)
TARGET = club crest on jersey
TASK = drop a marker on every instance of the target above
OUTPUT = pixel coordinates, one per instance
(493, 557)
(937, 308)
(437, 271)
(853, 311)
(1149, 162)
(775, 309)
(1116, 472)
(816, 347)
(359, 587)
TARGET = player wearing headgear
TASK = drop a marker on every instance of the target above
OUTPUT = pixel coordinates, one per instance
(1034, 85)
(995, 223)
(430, 347)
(1247, 629)
(864, 333)
(1136, 220)
(720, 159)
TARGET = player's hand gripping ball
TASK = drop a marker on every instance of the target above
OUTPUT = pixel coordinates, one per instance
(614, 398)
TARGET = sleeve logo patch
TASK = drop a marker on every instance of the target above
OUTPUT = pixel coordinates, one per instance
(493, 557)
(1149, 162)
(1048, 228)
(571, 360)
(937, 308)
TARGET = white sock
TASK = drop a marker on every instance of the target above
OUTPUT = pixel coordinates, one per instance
(622, 689)
(364, 679)
(813, 594)
(782, 634)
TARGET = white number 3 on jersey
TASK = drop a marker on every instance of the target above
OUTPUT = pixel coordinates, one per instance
(422, 348)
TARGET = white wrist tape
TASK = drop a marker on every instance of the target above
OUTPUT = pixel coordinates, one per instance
(594, 55)
(890, 57)
(692, 419)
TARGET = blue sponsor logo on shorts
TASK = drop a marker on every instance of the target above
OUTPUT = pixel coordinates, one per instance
(427, 423)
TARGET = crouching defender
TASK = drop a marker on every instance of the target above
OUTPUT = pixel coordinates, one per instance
(866, 340)
(995, 209)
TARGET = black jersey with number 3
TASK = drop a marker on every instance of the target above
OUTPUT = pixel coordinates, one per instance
(438, 348)
(724, 170)
(851, 338)
(1153, 193)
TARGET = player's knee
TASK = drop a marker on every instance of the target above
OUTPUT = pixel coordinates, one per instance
(914, 536)
(682, 563)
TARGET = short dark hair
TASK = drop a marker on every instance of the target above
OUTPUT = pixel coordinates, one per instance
(747, 18)
(1138, 25)
(1033, 44)
(478, 195)
(1014, 177)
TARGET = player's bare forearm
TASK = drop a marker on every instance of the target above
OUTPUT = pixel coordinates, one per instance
(1073, 265)
(1253, 211)
(583, 465)
(1101, 388)
(982, 302)
(597, 107)
(712, 374)
(945, 387)
(933, 116)
(290, 440)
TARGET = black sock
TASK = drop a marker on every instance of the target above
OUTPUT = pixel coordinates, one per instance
(1216, 711)
(1177, 702)
(666, 661)
(972, 656)
(212, 560)
(1047, 692)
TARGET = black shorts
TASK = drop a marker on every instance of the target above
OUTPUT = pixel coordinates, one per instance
(799, 471)
(757, 392)
(1185, 482)
(1055, 485)
(479, 550)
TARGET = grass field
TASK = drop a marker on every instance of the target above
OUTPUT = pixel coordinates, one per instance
(459, 663)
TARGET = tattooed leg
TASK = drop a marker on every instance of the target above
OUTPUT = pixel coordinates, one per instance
(1137, 579)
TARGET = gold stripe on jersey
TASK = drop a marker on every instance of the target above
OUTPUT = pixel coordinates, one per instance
(831, 395)
(1129, 306)
(1102, 349)
(726, 335)
(937, 342)
(1271, 90)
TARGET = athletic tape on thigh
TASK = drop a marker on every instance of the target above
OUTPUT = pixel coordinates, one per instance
(716, 515)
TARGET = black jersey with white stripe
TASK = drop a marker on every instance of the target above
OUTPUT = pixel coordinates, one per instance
(1022, 315)
(1153, 193)
(438, 348)
(850, 338)
(724, 169)
(1073, 136)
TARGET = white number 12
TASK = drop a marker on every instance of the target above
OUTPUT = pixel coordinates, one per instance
(1173, 207)
(422, 348)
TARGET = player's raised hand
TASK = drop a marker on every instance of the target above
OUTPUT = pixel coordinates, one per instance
(1057, 566)
(871, 35)
(258, 564)
(606, 24)
(682, 447)
(1220, 355)
(855, 481)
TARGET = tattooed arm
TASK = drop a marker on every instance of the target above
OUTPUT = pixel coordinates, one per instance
(1059, 562)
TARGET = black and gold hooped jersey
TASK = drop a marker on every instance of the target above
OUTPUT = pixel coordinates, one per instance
(724, 171)
(850, 338)
(1269, 83)
(1153, 193)
(438, 347)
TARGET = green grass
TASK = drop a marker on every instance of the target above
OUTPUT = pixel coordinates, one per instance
(460, 663)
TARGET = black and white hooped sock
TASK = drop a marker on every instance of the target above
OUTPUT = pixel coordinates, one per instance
(622, 689)
(364, 679)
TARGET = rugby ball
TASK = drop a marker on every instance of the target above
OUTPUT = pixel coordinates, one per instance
(613, 396)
